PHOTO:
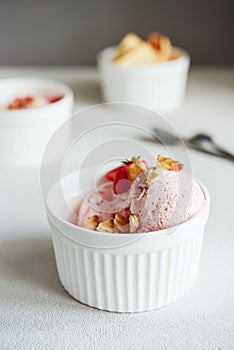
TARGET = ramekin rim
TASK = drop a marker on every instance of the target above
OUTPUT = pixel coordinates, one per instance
(68, 94)
(202, 208)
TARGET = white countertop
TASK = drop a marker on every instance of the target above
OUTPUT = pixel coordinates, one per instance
(36, 312)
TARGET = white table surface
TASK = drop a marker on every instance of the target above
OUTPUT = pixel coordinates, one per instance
(36, 312)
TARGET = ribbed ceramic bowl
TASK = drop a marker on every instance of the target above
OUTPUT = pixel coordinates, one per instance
(122, 272)
(24, 133)
(159, 86)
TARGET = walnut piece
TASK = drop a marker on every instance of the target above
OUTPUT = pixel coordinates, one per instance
(106, 226)
(169, 164)
(92, 222)
(134, 223)
(136, 168)
(121, 223)
(139, 162)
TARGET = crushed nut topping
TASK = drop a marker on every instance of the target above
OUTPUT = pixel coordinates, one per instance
(136, 168)
(121, 223)
(151, 175)
(133, 172)
(134, 223)
(169, 164)
(106, 226)
(139, 162)
(92, 222)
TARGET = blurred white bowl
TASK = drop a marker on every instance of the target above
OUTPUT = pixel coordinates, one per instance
(122, 272)
(24, 133)
(160, 86)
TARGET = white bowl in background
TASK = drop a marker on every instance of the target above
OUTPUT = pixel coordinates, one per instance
(24, 133)
(122, 272)
(159, 86)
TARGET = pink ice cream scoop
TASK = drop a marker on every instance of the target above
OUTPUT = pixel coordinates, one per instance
(158, 198)
(162, 198)
(103, 203)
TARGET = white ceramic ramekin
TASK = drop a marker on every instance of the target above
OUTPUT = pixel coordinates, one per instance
(122, 272)
(25, 133)
(159, 86)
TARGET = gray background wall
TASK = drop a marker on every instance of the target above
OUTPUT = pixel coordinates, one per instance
(70, 32)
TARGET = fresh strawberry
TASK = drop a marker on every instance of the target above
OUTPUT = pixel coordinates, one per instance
(54, 99)
(112, 173)
(20, 102)
(125, 174)
(121, 183)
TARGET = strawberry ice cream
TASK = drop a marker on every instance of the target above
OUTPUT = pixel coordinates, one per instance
(103, 203)
(140, 199)
(167, 200)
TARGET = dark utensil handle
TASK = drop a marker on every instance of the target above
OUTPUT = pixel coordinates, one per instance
(204, 140)
(223, 152)
(218, 152)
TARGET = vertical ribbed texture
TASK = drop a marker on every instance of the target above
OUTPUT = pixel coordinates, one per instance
(163, 89)
(126, 283)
